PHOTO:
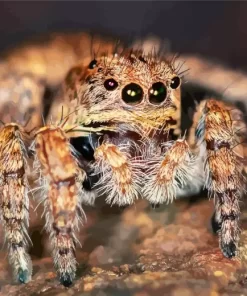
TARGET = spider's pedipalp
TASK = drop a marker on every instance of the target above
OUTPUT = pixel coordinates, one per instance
(14, 199)
(121, 175)
(220, 144)
(62, 180)
(167, 174)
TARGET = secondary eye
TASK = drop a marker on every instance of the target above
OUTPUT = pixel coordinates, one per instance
(175, 82)
(157, 93)
(92, 64)
(110, 84)
(132, 94)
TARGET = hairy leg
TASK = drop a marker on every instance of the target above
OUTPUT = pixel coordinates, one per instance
(14, 199)
(21, 99)
(220, 133)
(27, 71)
(231, 84)
(62, 180)
(50, 57)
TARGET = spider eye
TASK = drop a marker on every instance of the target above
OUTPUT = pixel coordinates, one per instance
(110, 84)
(132, 94)
(175, 82)
(92, 64)
(141, 58)
(157, 93)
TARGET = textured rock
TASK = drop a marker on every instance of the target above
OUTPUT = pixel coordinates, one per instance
(142, 252)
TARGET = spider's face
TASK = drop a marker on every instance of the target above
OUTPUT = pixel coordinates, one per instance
(136, 92)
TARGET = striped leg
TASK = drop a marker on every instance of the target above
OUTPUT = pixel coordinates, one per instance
(14, 200)
(219, 133)
(62, 180)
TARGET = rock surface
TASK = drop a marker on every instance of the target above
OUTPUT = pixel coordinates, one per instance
(140, 251)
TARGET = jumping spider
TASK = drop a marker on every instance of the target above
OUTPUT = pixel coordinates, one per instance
(113, 129)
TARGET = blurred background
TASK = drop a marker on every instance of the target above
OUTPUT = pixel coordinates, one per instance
(214, 29)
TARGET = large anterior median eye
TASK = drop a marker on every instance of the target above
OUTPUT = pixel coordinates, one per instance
(132, 94)
(157, 93)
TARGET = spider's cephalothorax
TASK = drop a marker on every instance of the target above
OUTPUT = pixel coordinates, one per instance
(131, 92)
(137, 97)
(114, 133)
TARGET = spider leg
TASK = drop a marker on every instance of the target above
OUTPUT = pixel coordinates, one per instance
(14, 199)
(62, 180)
(28, 70)
(229, 83)
(220, 133)
(120, 176)
(169, 171)
(21, 99)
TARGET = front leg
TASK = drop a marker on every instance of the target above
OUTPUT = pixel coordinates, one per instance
(220, 133)
(14, 202)
(61, 180)
(120, 174)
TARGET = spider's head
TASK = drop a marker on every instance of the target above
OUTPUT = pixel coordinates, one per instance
(130, 91)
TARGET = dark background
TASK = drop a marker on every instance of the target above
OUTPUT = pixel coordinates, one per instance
(214, 29)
